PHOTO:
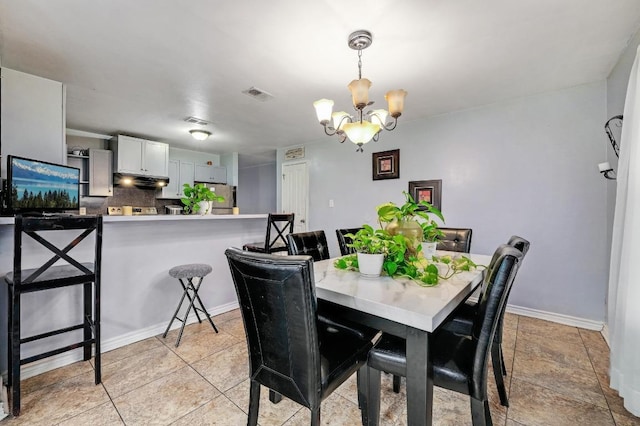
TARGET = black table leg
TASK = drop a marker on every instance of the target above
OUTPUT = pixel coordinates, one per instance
(419, 378)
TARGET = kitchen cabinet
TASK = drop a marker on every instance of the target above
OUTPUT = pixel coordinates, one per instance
(140, 156)
(80, 162)
(32, 117)
(180, 172)
(100, 172)
(211, 174)
(96, 172)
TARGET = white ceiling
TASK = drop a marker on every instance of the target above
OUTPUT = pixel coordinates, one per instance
(141, 67)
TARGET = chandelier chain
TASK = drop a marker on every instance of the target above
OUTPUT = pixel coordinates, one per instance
(359, 64)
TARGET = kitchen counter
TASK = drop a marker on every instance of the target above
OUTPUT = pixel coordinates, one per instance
(138, 295)
(164, 217)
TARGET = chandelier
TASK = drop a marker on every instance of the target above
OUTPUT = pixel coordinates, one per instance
(364, 126)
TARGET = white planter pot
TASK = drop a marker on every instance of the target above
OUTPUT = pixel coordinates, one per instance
(370, 265)
(205, 207)
(429, 249)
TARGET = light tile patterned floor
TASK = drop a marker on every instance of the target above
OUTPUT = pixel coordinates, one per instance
(557, 375)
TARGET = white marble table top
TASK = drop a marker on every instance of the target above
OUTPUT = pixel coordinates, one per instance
(399, 300)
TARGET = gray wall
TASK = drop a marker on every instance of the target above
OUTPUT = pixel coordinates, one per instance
(526, 166)
(256, 192)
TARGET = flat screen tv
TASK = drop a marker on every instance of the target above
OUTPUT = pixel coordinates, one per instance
(35, 186)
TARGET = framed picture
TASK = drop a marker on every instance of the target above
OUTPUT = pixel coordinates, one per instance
(386, 164)
(427, 190)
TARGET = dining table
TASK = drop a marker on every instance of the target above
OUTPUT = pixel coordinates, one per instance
(401, 307)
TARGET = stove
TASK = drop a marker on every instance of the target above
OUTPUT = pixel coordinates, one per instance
(135, 211)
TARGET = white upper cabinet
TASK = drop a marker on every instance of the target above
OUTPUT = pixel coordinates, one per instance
(100, 173)
(32, 117)
(140, 156)
(180, 172)
(211, 174)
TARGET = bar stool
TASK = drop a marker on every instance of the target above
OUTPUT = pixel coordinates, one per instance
(189, 272)
(62, 269)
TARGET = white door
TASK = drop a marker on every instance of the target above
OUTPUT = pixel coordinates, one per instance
(295, 193)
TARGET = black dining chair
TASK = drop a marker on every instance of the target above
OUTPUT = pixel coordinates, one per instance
(290, 351)
(460, 362)
(455, 239)
(343, 240)
(461, 322)
(312, 243)
(279, 225)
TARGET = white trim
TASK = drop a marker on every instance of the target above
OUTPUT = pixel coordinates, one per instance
(605, 334)
(559, 318)
(553, 317)
(67, 358)
(82, 133)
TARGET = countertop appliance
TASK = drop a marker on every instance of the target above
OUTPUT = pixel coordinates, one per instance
(135, 211)
(173, 209)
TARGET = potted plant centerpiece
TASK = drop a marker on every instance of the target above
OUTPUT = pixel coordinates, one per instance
(199, 198)
(399, 242)
(404, 220)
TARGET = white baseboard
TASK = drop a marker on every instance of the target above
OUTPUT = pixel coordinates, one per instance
(558, 318)
(51, 363)
(553, 317)
(605, 334)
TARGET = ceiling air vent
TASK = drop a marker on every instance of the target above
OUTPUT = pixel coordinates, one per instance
(258, 94)
(196, 120)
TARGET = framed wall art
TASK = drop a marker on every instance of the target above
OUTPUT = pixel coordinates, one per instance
(427, 190)
(386, 165)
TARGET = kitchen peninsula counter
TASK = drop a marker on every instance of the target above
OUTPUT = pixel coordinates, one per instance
(163, 217)
(138, 295)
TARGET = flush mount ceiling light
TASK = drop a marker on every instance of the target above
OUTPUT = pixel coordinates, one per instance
(199, 134)
(365, 126)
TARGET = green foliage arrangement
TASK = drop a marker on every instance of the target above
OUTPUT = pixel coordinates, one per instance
(193, 195)
(410, 210)
(401, 258)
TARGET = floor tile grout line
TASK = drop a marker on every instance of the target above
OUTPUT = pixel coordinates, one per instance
(600, 385)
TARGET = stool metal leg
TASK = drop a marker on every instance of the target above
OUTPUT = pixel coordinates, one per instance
(175, 314)
(190, 286)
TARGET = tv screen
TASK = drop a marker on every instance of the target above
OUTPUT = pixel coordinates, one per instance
(38, 186)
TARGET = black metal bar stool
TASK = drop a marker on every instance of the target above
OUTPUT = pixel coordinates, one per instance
(186, 274)
(62, 269)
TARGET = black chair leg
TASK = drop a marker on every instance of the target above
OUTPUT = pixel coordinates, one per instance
(480, 414)
(497, 373)
(315, 416)
(274, 397)
(254, 403)
(372, 415)
(396, 384)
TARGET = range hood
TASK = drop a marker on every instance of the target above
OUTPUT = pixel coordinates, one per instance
(126, 179)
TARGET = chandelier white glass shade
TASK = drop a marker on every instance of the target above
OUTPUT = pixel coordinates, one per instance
(200, 135)
(363, 126)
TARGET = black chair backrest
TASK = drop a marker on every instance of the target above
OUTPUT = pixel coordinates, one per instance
(51, 274)
(455, 239)
(519, 243)
(278, 226)
(278, 305)
(499, 281)
(313, 243)
(343, 240)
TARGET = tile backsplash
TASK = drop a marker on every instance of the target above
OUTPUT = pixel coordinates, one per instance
(126, 196)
